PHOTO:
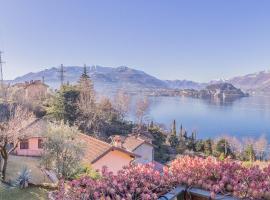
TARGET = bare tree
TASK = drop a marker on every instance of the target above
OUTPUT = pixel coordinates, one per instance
(122, 103)
(260, 146)
(87, 103)
(11, 132)
(235, 145)
(142, 107)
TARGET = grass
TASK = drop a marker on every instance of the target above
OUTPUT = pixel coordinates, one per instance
(15, 165)
(32, 193)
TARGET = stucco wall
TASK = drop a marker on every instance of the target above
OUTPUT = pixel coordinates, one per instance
(114, 160)
(32, 150)
(146, 153)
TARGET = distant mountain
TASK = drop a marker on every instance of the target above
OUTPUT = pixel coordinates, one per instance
(257, 82)
(105, 78)
(184, 84)
(109, 79)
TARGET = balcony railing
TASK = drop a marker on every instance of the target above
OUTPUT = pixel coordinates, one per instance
(182, 193)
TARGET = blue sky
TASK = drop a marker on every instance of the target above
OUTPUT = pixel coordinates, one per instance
(192, 39)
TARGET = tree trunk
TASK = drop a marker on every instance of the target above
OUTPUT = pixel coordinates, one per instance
(4, 155)
(4, 169)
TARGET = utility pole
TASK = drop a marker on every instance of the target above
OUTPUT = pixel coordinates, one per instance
(61, 72)
(1, 71)
(2, 89)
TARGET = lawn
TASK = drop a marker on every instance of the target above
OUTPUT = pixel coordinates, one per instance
(26, 194)
(15, 165)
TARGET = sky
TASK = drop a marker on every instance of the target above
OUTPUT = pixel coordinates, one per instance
(197, 40)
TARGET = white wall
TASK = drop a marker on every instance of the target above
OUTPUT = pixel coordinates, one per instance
(146, 152)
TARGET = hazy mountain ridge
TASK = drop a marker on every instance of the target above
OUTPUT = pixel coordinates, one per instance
(110, 79)
(104, 78)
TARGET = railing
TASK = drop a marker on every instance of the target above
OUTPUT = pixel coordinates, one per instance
(182, 193)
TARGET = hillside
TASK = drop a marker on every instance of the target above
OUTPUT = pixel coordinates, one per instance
(109, 79)
(105, 78)
(256, 82)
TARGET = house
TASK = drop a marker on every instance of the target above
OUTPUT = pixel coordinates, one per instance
(33, 90)
(138, 144)
(99, 153)
(31, 144)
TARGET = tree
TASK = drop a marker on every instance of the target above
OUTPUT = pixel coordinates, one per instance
(223, 147)
(173, 140)
(260, 147)
(208, 149)
(86, 103)
(142, 107)
(63, 149)
(122, 103)
(235, 145)
(11, 133)
(249, 153)
(159, 139)
(199, 146)
(174, 128)
(64, 105)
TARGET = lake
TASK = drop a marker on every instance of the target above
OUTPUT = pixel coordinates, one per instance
(244, 117)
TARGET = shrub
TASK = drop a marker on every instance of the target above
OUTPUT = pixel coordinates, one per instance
(24, 177)
(86, 171)
(143, 182)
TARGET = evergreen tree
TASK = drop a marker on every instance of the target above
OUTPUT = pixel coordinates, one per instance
(181, 134)
(208, 149)
(223, 147)
(249, 153)
(174, 128)
(64, 105)
(173, 140)
(151, 126)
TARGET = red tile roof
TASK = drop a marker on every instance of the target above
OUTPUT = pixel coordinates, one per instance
(133, 142)
(95, 148)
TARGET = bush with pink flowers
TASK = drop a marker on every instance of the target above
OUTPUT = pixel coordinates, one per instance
(144, 182)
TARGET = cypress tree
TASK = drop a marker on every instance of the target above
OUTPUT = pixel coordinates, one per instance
(174, 128)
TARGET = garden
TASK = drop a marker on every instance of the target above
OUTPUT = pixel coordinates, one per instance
(228, 177)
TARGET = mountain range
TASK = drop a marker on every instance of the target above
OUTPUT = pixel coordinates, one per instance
(107, 79)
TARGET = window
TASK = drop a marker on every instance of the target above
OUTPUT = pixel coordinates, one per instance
(24, 144)
(40, 143)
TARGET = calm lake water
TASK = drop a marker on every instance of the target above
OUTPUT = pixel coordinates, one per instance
(245, 117)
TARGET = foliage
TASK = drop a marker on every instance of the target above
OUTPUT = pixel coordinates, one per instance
(222, 177)
(161, 153)
(208, 147)
(249, 153)
(199, 146)
(173, 140)
(223, 147)
(63, 150)
(24, 178)
(64, 104)
(133, 182)
(11, 133)
(143, 182)
(86, 171)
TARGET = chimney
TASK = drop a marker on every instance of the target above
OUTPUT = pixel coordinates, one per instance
(117, 141)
